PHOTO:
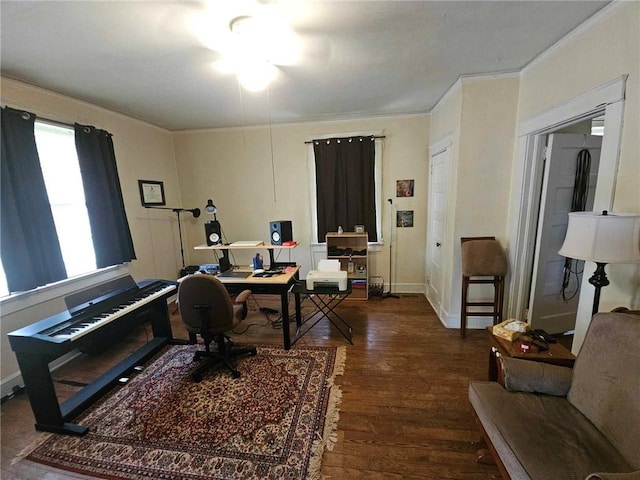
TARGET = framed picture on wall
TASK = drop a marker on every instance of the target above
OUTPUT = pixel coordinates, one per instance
(404, 218)
(404, 188)
(151, 193)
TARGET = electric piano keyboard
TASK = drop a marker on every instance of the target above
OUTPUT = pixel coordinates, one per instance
(94, 319)
(73, 330)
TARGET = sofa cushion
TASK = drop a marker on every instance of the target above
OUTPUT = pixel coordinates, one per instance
(541, 436)
(606, 386)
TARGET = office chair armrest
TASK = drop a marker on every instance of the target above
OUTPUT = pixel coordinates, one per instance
(243, 296)
(241, 299)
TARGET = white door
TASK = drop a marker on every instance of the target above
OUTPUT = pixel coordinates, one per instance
(438, 187)
(552, 307)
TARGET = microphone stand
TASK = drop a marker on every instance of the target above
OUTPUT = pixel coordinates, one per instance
(389, 294)
(177, 211)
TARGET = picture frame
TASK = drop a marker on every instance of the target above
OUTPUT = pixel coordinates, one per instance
(359, 229)
(404, 188)
(151, 193)
(404, 218)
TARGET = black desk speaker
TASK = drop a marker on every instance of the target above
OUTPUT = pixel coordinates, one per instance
(213, 232)
(280, 231)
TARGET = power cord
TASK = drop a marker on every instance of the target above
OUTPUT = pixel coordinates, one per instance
(277, 323)
(578, 204)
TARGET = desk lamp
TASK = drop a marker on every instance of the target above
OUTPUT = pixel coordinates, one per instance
(602, 238)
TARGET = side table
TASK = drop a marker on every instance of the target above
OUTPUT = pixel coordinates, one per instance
(326, 299)
(556, 355)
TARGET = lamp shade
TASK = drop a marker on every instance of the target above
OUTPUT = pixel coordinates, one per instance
(210, 207)
(602, 237)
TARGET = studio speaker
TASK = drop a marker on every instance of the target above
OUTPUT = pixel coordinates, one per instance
(213, 232)
(281, 231)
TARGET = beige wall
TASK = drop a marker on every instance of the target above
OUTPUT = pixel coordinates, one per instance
(143, 152)
(489, 108)
(480, 114)
(234, 167)
(591, 57)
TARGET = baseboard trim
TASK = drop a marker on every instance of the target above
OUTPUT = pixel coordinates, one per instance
(15, 380)
(473, 323)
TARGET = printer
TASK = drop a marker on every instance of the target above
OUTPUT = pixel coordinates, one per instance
(328, 274)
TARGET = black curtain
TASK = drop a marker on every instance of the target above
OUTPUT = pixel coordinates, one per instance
(31, 255)
(345, 185)
(112, 240)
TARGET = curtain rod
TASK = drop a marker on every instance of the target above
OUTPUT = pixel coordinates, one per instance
(363, 136)
(55, 122)
(58, 123)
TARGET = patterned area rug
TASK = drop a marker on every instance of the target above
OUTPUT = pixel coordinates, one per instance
(273, 422)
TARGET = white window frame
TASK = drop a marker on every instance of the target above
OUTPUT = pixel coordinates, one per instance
(65, 251)
(313, 197)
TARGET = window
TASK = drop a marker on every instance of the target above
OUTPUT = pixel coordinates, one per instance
(61, 171)
(358, 183)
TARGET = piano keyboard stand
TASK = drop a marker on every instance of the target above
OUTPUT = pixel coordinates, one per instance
(40, 343)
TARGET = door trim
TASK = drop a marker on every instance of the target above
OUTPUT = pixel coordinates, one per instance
(526, 182)
(441, 145)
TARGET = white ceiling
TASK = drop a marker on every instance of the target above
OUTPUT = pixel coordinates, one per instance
(359, 58)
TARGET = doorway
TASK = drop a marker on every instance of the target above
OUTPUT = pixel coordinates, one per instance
(439, 166)
(527, 180)
(571, 161)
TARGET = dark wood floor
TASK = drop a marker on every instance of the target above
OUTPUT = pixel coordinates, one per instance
(404, 411)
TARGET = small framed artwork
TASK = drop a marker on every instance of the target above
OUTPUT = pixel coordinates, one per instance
(404, 188)
(404, 218)
(151, 193)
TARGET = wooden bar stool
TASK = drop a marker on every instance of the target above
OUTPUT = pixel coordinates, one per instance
(482, 257)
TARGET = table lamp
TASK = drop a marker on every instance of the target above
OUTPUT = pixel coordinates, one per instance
(602, 238)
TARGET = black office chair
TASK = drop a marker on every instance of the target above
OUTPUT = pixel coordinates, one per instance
(207, 310)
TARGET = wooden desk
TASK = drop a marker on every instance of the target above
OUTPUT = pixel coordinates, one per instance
(275, 285)
(272, 263)
(556, 355)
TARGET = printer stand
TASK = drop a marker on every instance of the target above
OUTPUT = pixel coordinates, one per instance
(326, 299)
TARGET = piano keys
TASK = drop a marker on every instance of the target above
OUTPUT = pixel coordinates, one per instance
(73, 330)
(95, 318)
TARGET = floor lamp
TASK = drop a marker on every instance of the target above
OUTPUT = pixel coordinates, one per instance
(602, 238)
(177, 211)
(389, 294)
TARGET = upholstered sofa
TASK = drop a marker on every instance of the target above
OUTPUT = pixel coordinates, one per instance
(550, 422)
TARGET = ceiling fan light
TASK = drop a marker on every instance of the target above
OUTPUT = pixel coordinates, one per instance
(255, 76)
(225, 65)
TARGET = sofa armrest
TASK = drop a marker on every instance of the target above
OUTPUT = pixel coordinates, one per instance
(534, 377)
(615, 476)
